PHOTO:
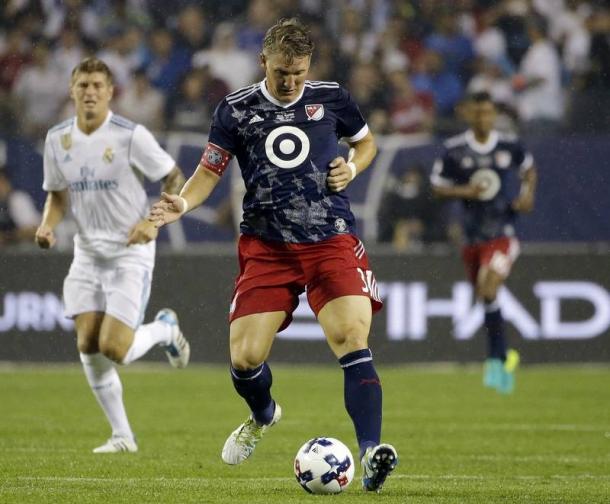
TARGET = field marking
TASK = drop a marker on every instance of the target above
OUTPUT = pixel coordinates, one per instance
(448, 477)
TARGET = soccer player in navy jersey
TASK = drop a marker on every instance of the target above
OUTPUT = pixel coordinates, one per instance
(495, 178)
(297, 234)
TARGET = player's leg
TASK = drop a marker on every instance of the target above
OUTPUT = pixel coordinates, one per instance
(251, 338)
(501, 363)
(346, 323)
(104, 382)
(124, 338)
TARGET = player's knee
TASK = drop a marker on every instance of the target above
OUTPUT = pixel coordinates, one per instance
(87, 345)
(245, 362)
(348, 333)
(111, 349)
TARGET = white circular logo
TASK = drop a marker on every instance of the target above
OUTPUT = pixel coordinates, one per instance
(287, 147)
(340, 225)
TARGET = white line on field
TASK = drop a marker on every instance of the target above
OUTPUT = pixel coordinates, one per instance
(465, 477)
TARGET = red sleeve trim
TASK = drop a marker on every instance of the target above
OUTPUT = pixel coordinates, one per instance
(215, 158)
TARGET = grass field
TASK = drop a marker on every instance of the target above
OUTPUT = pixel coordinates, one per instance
(458, 443)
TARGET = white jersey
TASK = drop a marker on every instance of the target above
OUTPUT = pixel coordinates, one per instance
(103, 173)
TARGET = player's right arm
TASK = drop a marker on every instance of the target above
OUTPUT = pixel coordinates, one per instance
(196, 190)
(54, 211)
(214, 161)
(444, 184)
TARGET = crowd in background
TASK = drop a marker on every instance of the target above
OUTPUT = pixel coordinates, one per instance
(407, 63)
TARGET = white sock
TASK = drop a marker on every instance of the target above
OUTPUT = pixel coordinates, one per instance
(146, 337)
(106, 386)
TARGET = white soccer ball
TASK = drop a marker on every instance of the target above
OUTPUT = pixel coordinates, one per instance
(324, 465)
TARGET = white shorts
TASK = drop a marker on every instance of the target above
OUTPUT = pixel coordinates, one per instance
(117, 287)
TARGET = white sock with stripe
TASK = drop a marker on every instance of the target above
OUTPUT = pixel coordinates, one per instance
(108, 390)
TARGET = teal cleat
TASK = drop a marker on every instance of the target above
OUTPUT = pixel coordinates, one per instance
(493, 372)
(507, 383)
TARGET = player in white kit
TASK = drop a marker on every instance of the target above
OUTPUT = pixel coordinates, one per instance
(95, 163)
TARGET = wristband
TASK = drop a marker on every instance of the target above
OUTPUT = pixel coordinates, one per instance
(352, 167)
(185, 205)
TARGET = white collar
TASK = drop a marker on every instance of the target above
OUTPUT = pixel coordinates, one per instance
(99, 128)
(482, 148)
(275, 101)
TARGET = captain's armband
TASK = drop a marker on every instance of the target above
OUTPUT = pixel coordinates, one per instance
(215, 158)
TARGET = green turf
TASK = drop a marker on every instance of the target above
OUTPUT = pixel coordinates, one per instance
(458, 443)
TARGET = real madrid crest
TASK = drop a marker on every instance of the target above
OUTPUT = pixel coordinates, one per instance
(108, 155)
(66, 141)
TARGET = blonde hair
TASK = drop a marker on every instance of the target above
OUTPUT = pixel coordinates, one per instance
(290, 38)
(90, 65)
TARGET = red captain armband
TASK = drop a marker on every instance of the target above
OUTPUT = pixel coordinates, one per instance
(215, 158)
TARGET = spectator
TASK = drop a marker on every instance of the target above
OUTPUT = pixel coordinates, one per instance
(260, 15)
(192, 108)
(192, 32)
(167, 63)
(224, 57)
(410, 111)
(456, 49)
(41, 91)
(408, 216)
(142, 103)
(538, 84)
(18, 214)
(68, 53)
(13, 58)
(431, 76)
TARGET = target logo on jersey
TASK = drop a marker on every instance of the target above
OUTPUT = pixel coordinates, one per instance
(287, 147)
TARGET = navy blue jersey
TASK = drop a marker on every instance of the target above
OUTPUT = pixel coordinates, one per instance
(462, 157)
(284, 151)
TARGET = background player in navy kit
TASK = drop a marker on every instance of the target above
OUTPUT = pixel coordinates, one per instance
(485, 169)
(297, 233)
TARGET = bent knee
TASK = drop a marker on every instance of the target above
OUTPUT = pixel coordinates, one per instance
(348, 334)
(111, 349)
(245, 362)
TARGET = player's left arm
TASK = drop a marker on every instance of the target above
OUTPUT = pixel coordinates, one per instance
(173, 181)
(342, 171)
(524, 203)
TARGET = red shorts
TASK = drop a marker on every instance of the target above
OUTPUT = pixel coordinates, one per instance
(272, 275)
(498, 255)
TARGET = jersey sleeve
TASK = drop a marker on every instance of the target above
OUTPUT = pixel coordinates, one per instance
(350, 123)
(443, 171)
(53, 178)
(147, 156)
(522, 158)
(220, 129)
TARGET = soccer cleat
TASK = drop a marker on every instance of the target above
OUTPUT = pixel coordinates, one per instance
(377, 463)
(178, 351)
(117, 444)
(493, 373)
(507, 383)
(242, 441)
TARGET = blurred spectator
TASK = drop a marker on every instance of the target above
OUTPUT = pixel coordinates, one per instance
(68, 52)
(455, 48)
(511, 19)
(192, 32)
(260, 15)
(369, 91)
(224, 57)
(120, 15)
(408, 216)
(18, 215)
(167, 63)
(410, 111)
(142, 103)
(192, 108)
(71, 14)
(121, 54)
(431, 76)
(41, 90)
(13, 58)
(355, 42)
(539, 96)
